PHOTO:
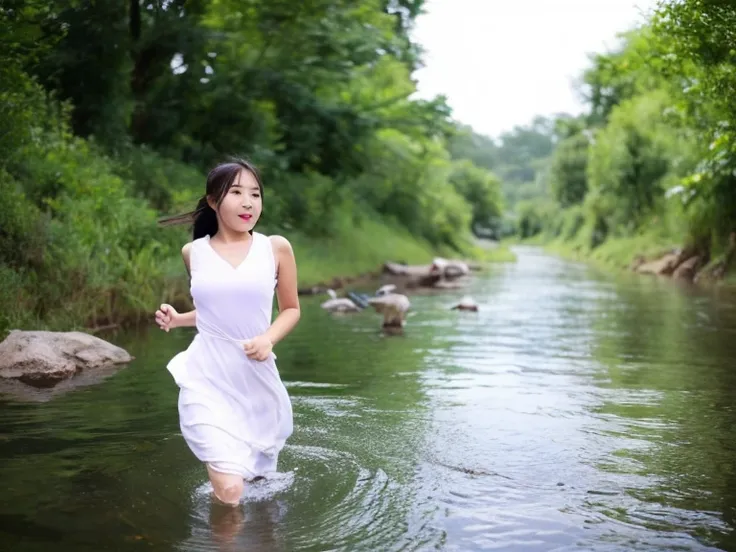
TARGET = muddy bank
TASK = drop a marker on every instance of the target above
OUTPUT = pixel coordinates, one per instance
(689, 264)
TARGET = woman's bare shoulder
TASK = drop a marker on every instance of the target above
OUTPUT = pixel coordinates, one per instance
(186, 254)
(186, 250)
(280, 244)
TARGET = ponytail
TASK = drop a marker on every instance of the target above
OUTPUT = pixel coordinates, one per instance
(203, 220)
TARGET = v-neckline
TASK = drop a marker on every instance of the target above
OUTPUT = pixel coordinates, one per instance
(223, 259)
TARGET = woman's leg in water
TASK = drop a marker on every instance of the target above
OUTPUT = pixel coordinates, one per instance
(228, 488)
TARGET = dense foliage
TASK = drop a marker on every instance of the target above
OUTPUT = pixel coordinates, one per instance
(112, 112)
(655, 154)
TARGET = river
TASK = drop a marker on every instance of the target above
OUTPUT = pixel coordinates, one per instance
(577, 410)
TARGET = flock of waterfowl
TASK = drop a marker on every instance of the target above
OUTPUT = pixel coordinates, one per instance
(441, 274)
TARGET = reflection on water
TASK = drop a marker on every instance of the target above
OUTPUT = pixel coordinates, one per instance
(254, 526)
(575, 410)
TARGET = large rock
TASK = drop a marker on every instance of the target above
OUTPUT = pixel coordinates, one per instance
(43, 359)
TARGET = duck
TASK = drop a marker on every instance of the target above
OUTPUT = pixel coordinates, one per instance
(339, 304)
(393, 307)
(467, 303)
(360, 299)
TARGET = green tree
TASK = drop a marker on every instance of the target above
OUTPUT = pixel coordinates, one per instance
(701, 37)
(465, 143)
(629, 161)
(482, 190)
(568, 178)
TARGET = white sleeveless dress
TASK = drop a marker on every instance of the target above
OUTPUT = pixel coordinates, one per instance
(234, 412)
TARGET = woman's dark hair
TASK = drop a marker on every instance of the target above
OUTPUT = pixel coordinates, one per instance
(219, 181)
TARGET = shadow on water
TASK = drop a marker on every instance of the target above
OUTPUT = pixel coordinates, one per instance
(575, 410)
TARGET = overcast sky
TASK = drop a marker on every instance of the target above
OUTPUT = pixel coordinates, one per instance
(501, 62)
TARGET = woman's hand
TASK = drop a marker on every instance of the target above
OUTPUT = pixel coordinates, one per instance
(167, 318)
(259, 348)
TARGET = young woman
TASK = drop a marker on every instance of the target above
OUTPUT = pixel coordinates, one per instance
(234, 411)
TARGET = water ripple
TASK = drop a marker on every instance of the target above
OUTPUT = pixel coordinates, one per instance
(574, 411)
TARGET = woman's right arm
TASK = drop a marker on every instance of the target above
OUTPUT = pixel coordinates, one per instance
(166, 316)
(187, 318)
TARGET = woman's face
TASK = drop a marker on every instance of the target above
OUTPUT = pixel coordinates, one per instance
(241, 207)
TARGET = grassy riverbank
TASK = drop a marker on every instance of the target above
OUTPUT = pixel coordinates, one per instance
(624, 253)
(124, 287)
(618, 252)
(356, 249)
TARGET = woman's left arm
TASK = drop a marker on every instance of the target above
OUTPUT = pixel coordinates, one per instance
(286, 290)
